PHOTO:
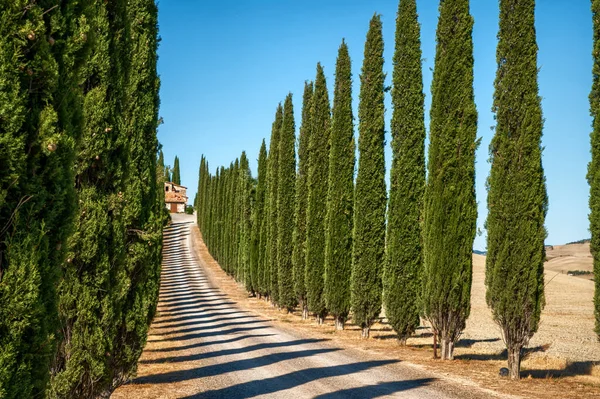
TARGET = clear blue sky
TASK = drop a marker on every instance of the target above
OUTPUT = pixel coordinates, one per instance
(226, 64)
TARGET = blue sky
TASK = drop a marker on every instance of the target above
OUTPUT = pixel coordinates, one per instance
(226, 64)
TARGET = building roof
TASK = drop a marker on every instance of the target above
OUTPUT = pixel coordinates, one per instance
(175, 184)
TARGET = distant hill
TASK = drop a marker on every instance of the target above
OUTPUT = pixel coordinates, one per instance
(477, 252)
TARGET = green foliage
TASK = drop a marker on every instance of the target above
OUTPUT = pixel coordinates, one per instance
(271, 270)
(517, 200)
(404, 259)
(285, 206)
(593, 175)
(299, 235)
(340, 197)
(41, 56)
(258, 247)
(318, 148)
(450, 209)
(370, 204)
(244, 219)
(176, 174)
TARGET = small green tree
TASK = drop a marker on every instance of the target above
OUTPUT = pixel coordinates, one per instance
(285, 206)
(317, 196)
(299, 236)
(176, 173)
(370, 195)
(404, 259)
(517, 201)
(450, 209)
(340, 198)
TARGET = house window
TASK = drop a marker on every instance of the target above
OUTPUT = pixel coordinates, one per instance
(167, 188)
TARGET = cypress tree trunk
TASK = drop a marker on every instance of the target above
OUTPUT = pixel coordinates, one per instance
(258, 209)
(370, 204)
(176, 173)
(340, 198)
(318, 148)
(285, 206)
(299, 236)
(593, 175)
(403, 266)
(271, 270)
(450, 209)
(517, 201)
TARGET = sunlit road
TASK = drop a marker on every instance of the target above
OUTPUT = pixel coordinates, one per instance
(202, 345)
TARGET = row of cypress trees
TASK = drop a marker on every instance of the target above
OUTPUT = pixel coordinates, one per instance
(81, 207)
(319, 236)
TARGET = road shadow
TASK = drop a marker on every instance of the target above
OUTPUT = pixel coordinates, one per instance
(377, 390)
(294, 379)
(229, 367)
(231, 351)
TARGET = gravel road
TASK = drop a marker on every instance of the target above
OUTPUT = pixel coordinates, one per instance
(202, 345)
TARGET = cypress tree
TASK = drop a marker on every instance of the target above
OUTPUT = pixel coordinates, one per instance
(340, 197)
(143, 193)
(244, 226)
(299, 236)
(199, 202)
(517, 201)
(91, 290)
(41, 53)
(593, 175)
(168, 174)
(285, 206)
(271, 271)
(404, 257)
(258, 212)
(318, 148)
(369, 208)
(161, 162)
(176, 175)
(450, 209)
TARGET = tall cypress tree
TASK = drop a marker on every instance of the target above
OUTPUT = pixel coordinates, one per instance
(199, 203)
(257, 247)
(450, 209)
(317, 196)
(143, 216)
(244, 213)
(91, 290)
(42, 53)
(404, 257)
(285, 206)
(369, 208)
(517, 201)
(176, 174)
(299, 236)
(593, 175)
(340, 197)
(271, 269)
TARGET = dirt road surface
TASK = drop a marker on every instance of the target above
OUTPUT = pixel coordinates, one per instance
(203, 345)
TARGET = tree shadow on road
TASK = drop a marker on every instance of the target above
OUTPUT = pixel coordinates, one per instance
(229, 367)
(377, 390)
(297, 378)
